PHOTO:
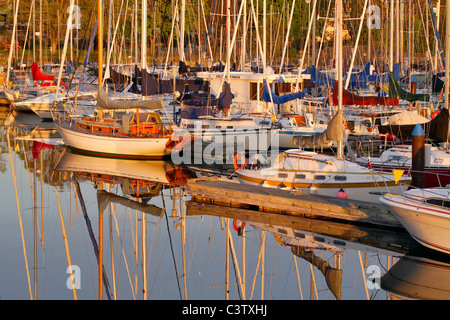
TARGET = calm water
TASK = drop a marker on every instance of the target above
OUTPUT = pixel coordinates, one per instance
(155, 247)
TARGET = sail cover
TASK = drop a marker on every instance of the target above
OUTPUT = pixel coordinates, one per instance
(104, 102)
(438, 84)
(334, 132)
(270, 96)
(38, 75)
(349, 98)
(396, 91)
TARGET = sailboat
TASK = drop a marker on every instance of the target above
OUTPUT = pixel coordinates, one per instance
(128, 136)
(325, 174)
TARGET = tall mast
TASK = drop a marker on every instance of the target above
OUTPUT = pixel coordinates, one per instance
(100, 41)
(391, 46)
(40, 33)
(447, 53)
(100, 217)
(182, 23)
(228, 40)
(144, 35)
(13, 42)
(339, 64)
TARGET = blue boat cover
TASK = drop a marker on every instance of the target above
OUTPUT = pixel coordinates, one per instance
(272, 97)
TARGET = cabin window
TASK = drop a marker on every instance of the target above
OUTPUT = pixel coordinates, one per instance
(339, 242)
(190, 126)
(319, 239)
(438, 202)
(282, 231)
(218, 127)
(320, 177)
(299, 235)
(282, 175)
(254, 91)
(229, 127)
(300, 176)
(282, 87)
(205, 126)
(340, 178)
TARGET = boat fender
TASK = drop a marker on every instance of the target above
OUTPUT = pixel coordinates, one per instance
(434, 114)
(235, 161)
(341, 194)
(240, 227)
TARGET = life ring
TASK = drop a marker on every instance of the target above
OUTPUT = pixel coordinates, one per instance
(235, 161)
(434, 114)
(235, 226)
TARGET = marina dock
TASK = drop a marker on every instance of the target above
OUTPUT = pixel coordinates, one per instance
(284, 204)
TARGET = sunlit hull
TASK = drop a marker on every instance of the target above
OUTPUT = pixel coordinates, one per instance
(123, 147)
(323, 175)
(427, 223)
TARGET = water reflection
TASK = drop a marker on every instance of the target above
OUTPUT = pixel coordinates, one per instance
(131, 231)
(420, 274)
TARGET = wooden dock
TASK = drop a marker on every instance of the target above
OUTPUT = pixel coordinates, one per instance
(358, 222)
(284, 203)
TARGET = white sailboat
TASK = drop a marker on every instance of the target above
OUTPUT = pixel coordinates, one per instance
(323, 174)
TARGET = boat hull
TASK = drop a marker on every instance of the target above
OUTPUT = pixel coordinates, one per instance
(122, 147)
(429, 225)
(361, 189)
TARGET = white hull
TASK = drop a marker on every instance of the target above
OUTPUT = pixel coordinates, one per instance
(323, 175)
(428, 224)
(369, 192)
(114, 146)
(151, 170)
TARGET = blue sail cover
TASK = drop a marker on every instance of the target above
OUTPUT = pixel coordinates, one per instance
(357, 79)
(271, 97)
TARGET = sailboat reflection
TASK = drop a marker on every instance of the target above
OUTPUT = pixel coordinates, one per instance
(138, 178)
(140, 181)
(310, 247)
(420, 274)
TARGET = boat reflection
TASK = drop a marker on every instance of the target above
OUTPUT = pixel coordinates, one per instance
(320, 243)
(138, 178)
(420, 274)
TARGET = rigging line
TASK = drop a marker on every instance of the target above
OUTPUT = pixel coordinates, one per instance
(173, 255)
(235, 275)
(66, 244)
(91, 235)
(18, 213)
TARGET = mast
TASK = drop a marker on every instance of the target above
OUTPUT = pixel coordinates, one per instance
(100, 217)
(339, 64)
(144, 36)
(228, 40)
(391, 43)
(447, 53)
(182, 25)
(11, 49)
(100, 41)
